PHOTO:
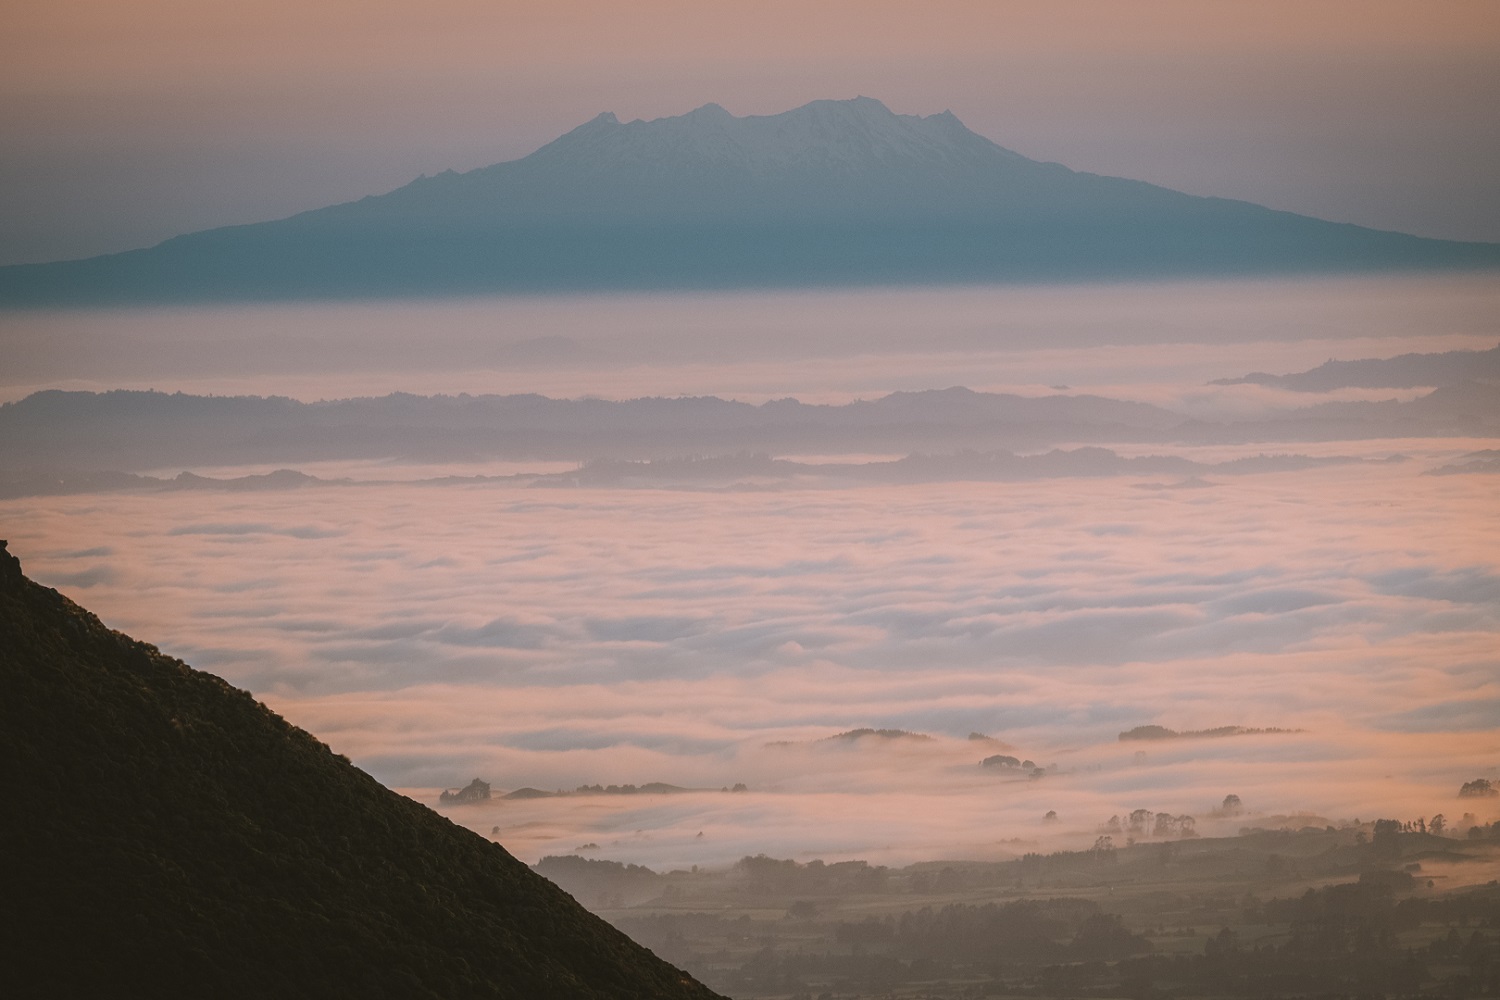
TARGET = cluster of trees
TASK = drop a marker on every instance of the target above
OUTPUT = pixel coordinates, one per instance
(762, 875)
(881, 953)
(1005, 762)
(601, 883)
(1383, 933)
(649, 788)
(1468, 826)
(854, 735)
(1143, 823)
(1231, 806)
(1346, 940)
(474, 791)
(1370, 938)
(979, 935)
(1479, 788)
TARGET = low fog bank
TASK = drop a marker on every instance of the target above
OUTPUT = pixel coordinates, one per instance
(828, 346)
(690, 595)
(1404, 372)
(904, 804)
(1292, 907)
(566, 637)
(745, 471)
(56, 435)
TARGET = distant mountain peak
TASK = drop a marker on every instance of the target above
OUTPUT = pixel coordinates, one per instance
(708, 111)
(829, 137)
(835, 192)
(853, 106)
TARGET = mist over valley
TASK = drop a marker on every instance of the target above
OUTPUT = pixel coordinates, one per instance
(444, 588)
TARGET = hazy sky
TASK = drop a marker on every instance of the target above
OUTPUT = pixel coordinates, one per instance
(826, 346)
(126, 123)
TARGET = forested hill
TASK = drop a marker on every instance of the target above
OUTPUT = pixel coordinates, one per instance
(164, 834)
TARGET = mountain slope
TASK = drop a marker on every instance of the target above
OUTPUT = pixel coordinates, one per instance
(166, 835)
(834, 192)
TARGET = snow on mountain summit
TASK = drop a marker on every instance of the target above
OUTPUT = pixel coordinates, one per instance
(841, 137)
(833, 192)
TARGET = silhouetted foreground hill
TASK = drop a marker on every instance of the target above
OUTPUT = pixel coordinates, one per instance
(166, 835)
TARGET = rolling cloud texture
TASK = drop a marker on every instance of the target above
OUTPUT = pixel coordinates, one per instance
(562, 637)
(1230, 555)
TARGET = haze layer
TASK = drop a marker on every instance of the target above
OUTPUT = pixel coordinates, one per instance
(630, 633)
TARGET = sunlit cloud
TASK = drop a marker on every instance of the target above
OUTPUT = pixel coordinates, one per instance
(567, 637)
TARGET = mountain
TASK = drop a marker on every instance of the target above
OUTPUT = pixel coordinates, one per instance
(164, 834)
(833, 192)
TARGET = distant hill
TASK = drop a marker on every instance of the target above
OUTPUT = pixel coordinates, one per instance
(864, 738)
(126, 431)
(649, 788)
(857, 735)
(831, 193)
(1485, 462)
(860, 737)
(1404, 372)
(1163, 733)
(58, 442)
(743, 471)
(165, 835)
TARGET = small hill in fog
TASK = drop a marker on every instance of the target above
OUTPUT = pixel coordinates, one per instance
(126, 430)
(1404, 372)
(166, 835)
(881, 735)
(1163, 733)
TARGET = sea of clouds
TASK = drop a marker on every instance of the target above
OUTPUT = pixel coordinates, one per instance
(556, 637)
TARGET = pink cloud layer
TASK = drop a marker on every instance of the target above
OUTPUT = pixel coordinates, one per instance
(554, 638)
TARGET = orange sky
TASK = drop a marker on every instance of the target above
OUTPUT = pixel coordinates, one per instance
(127, 123)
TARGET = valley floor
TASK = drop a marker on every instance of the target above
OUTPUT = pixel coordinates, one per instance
(1271, 913)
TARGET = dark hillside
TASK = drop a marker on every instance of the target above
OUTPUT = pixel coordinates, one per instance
(164, 834)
